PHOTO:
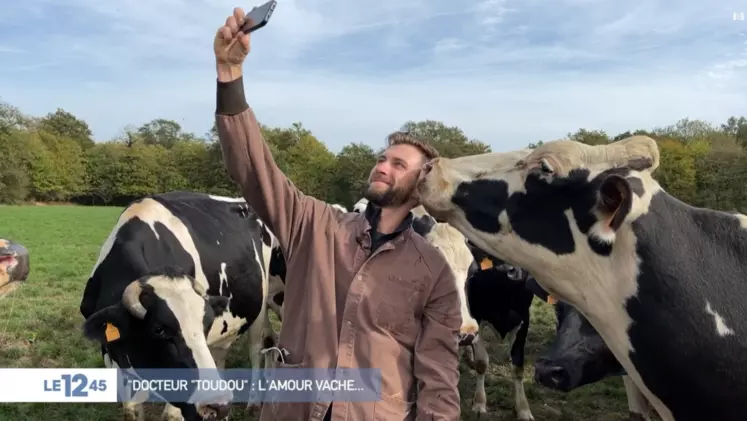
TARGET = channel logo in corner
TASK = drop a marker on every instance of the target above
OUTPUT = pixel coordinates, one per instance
(58, 385)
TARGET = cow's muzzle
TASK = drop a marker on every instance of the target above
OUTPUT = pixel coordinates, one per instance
(214, 411)
(466, 339)
(14, 266)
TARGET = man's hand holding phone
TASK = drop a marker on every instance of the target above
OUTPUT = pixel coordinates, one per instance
(231, 47)
(232, 44)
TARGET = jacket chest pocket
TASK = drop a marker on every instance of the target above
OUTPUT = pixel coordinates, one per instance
(398, 303)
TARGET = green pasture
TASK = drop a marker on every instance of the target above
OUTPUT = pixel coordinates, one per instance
(40, 327)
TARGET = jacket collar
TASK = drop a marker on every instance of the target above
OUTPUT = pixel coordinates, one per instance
(371, 218)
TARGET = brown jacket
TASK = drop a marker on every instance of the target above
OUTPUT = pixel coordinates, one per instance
(397, 309)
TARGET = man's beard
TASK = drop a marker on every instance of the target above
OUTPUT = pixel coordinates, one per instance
(392, 197)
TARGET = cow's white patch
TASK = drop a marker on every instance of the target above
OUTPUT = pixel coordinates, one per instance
(637, 403)
(227, 199)
(453, 247)
(360, 206)
(189, 309)
(222, 278)
(340, 208)
(742, 220)
(721, 327)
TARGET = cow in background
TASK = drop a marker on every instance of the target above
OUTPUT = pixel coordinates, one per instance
(179, 278)
(14, 266)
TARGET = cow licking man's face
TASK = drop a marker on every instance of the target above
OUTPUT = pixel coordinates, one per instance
(555, 211)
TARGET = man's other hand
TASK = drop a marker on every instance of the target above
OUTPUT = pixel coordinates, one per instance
(231, 47)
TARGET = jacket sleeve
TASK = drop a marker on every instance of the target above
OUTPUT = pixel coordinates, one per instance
(249, 163)
(437, 353)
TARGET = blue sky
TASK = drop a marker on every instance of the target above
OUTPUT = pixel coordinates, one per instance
(508, 72)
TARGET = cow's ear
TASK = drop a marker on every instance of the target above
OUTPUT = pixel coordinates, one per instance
(218, 303)
(614, 201)
(107, 325)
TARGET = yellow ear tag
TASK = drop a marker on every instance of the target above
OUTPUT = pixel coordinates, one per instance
(486, 263)
(551, 300)
(112, 333)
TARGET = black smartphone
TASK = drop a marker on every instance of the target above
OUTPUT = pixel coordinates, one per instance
(258, 17)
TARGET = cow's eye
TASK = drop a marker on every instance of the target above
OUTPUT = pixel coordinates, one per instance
(158, 330)
(514, 273)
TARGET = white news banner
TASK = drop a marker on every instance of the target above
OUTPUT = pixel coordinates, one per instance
(58, 385)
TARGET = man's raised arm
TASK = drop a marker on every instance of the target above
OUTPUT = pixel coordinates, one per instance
(247, 158)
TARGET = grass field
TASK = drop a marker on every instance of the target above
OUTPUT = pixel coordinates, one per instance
(40, 327)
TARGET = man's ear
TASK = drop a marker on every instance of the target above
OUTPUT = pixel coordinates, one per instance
(107, 325)
(219, 303)
(614, 203)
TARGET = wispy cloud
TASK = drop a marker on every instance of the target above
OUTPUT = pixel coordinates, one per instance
(508, 72)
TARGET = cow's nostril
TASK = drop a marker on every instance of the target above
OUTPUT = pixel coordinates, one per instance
(466, 339)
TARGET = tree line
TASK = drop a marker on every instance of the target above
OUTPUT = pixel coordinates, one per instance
(55, 159)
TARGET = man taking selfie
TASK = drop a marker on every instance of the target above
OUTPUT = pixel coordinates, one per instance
(362, 290)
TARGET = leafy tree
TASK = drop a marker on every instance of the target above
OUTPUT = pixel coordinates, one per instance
(64, 124)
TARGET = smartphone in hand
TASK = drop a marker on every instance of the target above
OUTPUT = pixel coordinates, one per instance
(258, 17)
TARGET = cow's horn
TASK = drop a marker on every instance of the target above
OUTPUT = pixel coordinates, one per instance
(131, 300)
(199, 288)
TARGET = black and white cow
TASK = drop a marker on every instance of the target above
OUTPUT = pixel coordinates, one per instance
(500, 296)
(179, 278)
(14, 266)
(662, 282)
(578, 356)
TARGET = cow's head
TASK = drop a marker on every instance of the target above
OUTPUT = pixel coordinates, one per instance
(494, 291)
(562, 211)
(162, 321)
(14, 266)
(577, 357)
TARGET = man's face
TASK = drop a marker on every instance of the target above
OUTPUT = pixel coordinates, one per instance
(393, 179)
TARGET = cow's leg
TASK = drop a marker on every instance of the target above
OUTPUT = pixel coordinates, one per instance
(171, 413)
(256, 338)
(523, 411)
(479, 402)
(220, 354)
(269, 340)
(637, 403)
(133, 410)
(467, 352)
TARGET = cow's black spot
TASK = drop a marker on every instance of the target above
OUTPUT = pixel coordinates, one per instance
(482, 202)
(604, 249)
(225, 327)
(636, 185)
(423, 224)
(690, 256)
(244, 328)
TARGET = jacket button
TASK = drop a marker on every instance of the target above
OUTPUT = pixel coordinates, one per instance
(360, 277)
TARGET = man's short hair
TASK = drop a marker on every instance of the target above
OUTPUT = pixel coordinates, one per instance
(406, 138)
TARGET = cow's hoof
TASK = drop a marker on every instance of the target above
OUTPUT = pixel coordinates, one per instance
(171, 417)
(525, 416)
(479, 408)
(253, 408)
(133, 414)
(634, 416)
